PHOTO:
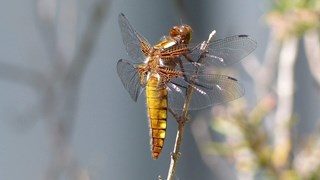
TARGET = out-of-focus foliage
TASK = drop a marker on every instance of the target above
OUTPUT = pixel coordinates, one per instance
(287, 5)
(248, 144)
(294, 17)
(259, 141)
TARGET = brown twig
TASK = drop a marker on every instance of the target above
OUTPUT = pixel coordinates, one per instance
(174, 114)
(175, 155)
(184, 118)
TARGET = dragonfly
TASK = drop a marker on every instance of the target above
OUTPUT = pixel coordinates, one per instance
(168, 69)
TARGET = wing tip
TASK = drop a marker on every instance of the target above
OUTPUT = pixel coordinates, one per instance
(121, 14)
(247, 36)
(232, 78)
(253, 41)
(122, 19)
(118, 65)
(243, 35)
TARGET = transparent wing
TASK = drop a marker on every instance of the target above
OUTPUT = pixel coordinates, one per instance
(208, 90)
(134, 43)
(224, 52)
(130, 79)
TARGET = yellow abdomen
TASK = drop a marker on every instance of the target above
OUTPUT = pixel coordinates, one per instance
(157, 111)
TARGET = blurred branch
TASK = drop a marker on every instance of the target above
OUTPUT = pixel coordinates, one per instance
(285, 91)
(21, 75)
(268, 68)
(312, 49)
(60, 95)
(252, 66)
(203, 139)
(70, 88)
(82, 56)
(264, 73)
(45, 18)
(85, 49)
(66, 29)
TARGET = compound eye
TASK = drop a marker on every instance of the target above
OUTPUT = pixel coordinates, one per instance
(174, 32)
(182, 33)
(186, 34)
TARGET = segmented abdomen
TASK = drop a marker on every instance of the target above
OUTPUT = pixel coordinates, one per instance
(157, 111)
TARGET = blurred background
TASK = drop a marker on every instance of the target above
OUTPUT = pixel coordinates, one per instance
(64, 113)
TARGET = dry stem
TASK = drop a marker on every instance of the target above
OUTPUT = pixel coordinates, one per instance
(182, 120)
(175, 155)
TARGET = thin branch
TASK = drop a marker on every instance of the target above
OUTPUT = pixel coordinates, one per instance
(174, 114)
(267, 72)
(175, 155)
(85, 49)
(183, 119)
(252, 66)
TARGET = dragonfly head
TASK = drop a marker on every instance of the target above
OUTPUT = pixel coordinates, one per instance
(181, 33)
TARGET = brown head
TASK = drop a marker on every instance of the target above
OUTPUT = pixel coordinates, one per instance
(182, 33)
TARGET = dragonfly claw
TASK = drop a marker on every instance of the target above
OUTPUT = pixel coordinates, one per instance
(175, 156)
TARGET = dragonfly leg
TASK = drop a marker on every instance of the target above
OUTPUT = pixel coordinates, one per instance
(174, 114)
(177, 117)
(187, 58)
(185, 120)
(175, 156)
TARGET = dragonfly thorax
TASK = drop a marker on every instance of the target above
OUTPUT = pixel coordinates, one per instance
(165, 42)
(153, 54)
(153, 62)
